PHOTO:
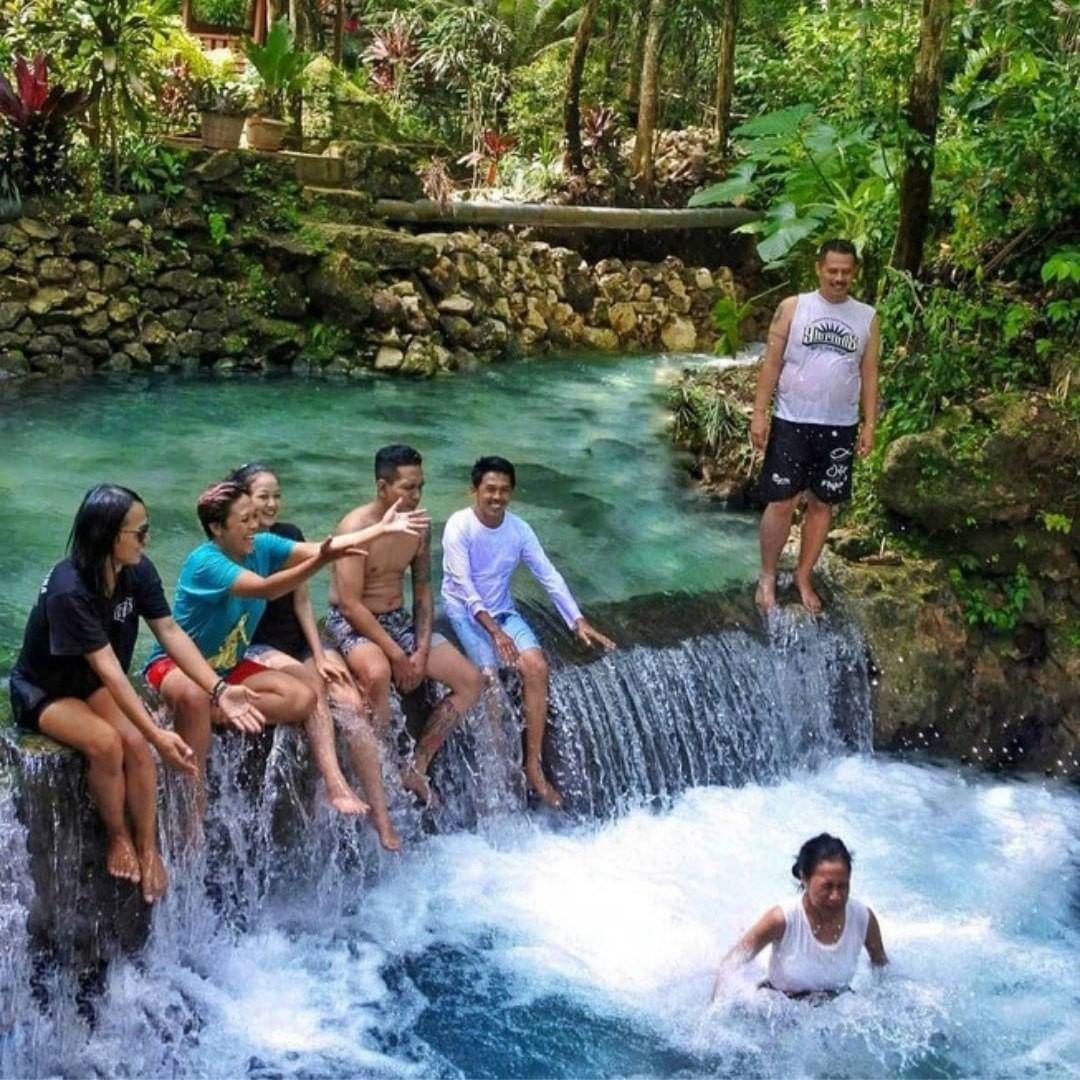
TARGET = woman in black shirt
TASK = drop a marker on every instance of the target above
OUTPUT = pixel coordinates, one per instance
(287, 639)
(70, 680)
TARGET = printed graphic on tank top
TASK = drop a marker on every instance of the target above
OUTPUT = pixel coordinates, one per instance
(820, 380)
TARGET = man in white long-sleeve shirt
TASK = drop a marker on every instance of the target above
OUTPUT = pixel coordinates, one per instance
(482, 547)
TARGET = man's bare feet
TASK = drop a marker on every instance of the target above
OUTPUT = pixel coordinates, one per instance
(765, 595)
(415, 781)
(538, 783)
(347, 802)
(121, 860)
(387, 834)
(810, 599)
(155, 878)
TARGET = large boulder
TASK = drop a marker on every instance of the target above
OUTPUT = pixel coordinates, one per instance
(343, 286)
(1001, 461)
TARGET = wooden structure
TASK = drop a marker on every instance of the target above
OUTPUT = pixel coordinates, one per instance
(541, 215)
(216, 36)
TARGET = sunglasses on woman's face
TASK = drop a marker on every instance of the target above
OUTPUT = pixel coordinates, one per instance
(141, 533)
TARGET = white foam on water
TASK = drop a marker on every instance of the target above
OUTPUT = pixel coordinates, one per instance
(973, 879)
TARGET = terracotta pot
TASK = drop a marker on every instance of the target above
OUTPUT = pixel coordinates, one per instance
(220, 131)
(264, 133)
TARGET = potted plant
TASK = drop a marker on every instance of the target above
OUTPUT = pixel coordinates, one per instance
(224, 103)
(280, 68)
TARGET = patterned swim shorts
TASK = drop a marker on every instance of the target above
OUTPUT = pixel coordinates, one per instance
(397, 623)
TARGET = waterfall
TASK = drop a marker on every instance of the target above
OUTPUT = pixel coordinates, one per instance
(646, 723)
(665, 712)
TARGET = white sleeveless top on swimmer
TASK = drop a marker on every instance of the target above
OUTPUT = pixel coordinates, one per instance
(800, 963)
(821, 378)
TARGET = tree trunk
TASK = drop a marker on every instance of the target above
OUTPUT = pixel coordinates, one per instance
(632, 94)
(339, 32)
(922, 117)
(611, 35)
(572, 100)
(725, 70)
(641, 164)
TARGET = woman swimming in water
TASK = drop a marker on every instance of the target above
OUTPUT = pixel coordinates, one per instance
(70, 680)
(817, 939)
(287, 639)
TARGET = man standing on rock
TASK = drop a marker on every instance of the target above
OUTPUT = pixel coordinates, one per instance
(482, 547)
(822, 360)
(379, 639)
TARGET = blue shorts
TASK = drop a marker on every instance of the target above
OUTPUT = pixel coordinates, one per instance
(477, 643)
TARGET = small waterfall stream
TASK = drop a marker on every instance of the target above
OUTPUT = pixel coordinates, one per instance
(290, 944)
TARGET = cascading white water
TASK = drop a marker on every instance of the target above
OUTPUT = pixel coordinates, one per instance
(585, 945)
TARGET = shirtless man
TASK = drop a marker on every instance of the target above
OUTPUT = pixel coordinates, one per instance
(370, 627)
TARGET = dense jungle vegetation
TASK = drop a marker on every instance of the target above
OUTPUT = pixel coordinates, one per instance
(939, 136)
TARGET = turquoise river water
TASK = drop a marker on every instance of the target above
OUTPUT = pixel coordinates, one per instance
(522, 945)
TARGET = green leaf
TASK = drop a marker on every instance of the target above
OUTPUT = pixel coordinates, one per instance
(779, 122)
(777, 245)
(739, 185)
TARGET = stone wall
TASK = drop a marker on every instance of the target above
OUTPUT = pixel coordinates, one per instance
(244, 269)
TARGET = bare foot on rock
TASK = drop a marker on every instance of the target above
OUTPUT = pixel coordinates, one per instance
(121, 860)
(765, 595)
(539, 785)
(810, 599)
(387, 834)
(347, 802)
(415, 781)
(155, 878)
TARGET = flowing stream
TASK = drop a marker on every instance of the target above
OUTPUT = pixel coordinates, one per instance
(506, 942)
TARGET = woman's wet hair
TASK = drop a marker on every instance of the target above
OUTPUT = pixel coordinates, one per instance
(822, 848)
(493, 464)
(245, 475)
(216, 501)
(97, 523)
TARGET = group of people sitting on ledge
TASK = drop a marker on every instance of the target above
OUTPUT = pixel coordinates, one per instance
(241, 646)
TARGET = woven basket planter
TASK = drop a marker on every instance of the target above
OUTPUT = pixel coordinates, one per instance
(221, 132)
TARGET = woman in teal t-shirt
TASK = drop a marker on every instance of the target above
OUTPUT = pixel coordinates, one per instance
(222, 591)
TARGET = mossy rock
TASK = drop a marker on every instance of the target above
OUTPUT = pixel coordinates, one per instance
(1007, 459)
(383, 248)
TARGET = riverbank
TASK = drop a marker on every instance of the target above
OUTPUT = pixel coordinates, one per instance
(960, 560)
(244, 269)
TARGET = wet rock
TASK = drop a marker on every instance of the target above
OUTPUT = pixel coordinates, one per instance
(290, 301)
(389, 358)
(113, 277)
(120, 311)
(182, 282)
(48, 299)
(386, 309)
(455, 329)
(94, 324)
(37, 230)
(623, 319)
(11, 311)
(601, 338)
(679, 335)
(457, 305)
(55, 271)
(490, 335)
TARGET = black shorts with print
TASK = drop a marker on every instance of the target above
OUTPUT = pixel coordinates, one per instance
(818, 457)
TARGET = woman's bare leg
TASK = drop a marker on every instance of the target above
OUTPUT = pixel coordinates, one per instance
(72, 722)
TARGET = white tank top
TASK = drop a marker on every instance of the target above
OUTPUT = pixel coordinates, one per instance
(800, 963)
(821, 378)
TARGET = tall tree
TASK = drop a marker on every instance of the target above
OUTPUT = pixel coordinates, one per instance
(572, 100)
(725, 69)
(641, 162)
(632, 92)
(924, 99)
